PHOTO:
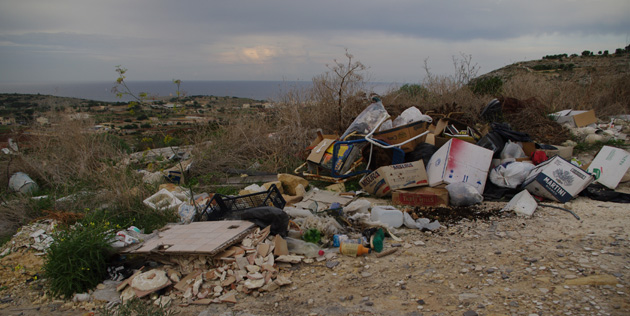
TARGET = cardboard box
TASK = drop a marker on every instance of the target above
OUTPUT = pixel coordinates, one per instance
(403, 133)
(557, 179)
(422, 196)
(609, 166)
(460, 161)
(575, 118)
(565, 152)
(385, 179)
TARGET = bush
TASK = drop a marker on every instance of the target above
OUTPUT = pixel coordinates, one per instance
(487, 86)
(77, 259)
(413, 90)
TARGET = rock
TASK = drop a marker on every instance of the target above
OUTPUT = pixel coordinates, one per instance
(290, 182)
(601, 279)
(282, 280)
(332, 264)
(470, 312)
(254, 284)
(270, 287)
(81, 297)
(467, 296)
(252, 268)
(289, 259)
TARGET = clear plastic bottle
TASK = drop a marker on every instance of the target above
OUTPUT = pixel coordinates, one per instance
(302, 247)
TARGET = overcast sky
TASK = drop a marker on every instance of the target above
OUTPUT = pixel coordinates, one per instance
(83, 40)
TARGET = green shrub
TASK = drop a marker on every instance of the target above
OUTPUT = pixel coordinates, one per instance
(413, 90)
(77, 259)
(487, 86)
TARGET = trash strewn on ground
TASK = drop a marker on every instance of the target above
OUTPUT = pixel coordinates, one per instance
(415, 171)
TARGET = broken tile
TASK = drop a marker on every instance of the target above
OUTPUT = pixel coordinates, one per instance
(280, 245)
(229, 297)
(289, 259)
(254, 283)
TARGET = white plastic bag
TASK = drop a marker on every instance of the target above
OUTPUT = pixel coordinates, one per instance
(463, 194)
(510, 174)
(512, 150)
(410, 115)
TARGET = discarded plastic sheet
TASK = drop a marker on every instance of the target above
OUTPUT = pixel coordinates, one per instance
(523, 203)
(463, 194)
(198, 237)
(420, 223)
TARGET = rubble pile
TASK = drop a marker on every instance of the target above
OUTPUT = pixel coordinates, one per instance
(251, 267)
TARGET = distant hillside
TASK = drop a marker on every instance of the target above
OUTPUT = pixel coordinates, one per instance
(578, 69)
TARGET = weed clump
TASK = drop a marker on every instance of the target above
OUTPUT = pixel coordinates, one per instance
(77, 260)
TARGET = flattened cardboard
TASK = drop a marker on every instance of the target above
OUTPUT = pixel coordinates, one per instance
(318, 152)
(385, 179)
(403, 133)
(609, 166)
(460, 161)
(575, 118)
(422, 196)
(557, 179)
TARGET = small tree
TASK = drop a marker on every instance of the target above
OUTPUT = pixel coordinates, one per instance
(334, 87)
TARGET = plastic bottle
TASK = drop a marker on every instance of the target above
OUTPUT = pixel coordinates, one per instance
(302, 247)
(387, 215)
(350, 249)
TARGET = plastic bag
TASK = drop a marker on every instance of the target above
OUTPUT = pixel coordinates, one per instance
(512, 150)
(511, 174)
(386, 125)
(463, 194)
(410, 115)
(420, 223)
(494, 142)
(368, 119)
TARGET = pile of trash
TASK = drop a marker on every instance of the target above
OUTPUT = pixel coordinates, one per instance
(245, 244)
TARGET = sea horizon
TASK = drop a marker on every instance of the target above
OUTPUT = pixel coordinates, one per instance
(102, 90)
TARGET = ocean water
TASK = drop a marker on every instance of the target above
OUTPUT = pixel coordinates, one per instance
(102, 91)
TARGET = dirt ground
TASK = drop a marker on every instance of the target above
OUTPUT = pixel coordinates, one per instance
(548, 264)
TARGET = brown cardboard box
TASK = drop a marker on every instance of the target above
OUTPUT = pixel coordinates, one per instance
(423, 196)
(575, 118)
(400, 134)
(383, 180)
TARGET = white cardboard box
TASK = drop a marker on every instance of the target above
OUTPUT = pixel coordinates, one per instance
(609, 166)
(575, 118)
(557, 179)
(460, 161)
(384, 180)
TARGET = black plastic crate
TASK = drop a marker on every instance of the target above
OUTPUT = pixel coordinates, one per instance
(220, 205)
